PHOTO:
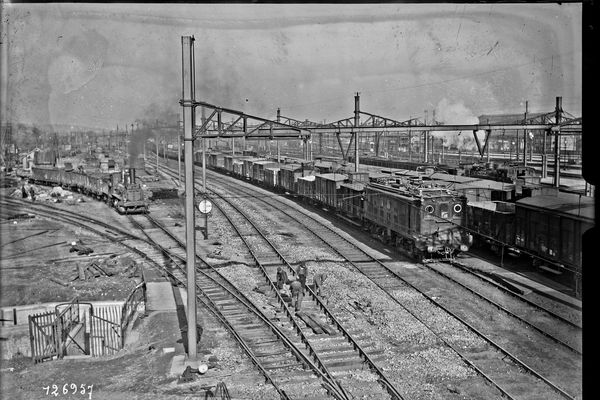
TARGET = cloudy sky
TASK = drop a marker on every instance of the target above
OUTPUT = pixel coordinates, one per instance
(106, 64)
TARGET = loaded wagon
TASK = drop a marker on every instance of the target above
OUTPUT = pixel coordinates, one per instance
(551, 228)
(493, 223)
(326, 188)
(258, 170)
(306, 187)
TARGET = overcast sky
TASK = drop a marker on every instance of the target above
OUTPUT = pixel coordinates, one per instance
(105, 64)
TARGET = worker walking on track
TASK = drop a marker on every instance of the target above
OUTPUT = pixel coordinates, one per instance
(297, 294)
(281, 277)
(302, 272)
(318, 281)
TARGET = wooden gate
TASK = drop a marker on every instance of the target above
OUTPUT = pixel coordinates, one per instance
(105, 331)
(43, 336)
(70, 326)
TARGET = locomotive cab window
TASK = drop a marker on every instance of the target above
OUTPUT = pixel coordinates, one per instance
(444, 210)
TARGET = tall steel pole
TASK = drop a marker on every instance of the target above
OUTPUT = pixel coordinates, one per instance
(356, 135)
(558, 118)
(187, 102)
(525, 135)
(179, 157)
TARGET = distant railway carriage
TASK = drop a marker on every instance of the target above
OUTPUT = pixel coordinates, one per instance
(271, 177)
(258, 169)
(120, 190)
(247, 166)
(326, 188)
(306, 187)
(352, 199)
(289, 174)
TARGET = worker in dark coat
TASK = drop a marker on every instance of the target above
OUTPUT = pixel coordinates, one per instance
(318, 281)
(297, 294)
(32, 193)
(281, 277)
(302, 272)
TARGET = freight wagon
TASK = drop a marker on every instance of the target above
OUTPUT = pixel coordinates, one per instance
(326, 188)
(552, 226)
(119, 189)
(492, 223)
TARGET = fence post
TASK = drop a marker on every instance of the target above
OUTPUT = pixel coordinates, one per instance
(31, 339)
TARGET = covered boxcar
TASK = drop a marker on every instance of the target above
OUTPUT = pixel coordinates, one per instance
(306, 187)
(271, 177)
(289, 174)
(258, 170)
(351, 199)
(326, 188)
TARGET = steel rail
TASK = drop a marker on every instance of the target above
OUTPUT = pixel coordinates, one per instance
(388, 385)
(465, 268)
(504, 309)
(383, 379)
(555, 387)
(213, 307)
(280, 300)
(238, 295)
(51, 213)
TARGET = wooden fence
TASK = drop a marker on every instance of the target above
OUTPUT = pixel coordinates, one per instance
(43, 337)
(105, 331)
(95, 331)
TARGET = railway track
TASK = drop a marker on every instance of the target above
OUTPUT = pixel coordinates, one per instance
(388, 277)
(280, 352)
(336, 349)
(281, 360)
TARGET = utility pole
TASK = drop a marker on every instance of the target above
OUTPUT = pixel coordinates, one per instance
(558, 117)
(525, 135)
(278, 120)
(425, 137)
(179, 154)
(356, 123)
(189, 117)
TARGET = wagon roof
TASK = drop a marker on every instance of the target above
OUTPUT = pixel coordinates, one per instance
(307, 178)
(291, 167)
(264, 162)
(562, 202)
(497, 206)
(453, 178)
(485, 184)
(333, 177)
(354, 186)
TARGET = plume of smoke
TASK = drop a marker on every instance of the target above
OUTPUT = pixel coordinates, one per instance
(456, 113)
(150, 124)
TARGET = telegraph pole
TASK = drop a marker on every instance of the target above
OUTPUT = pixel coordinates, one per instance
(187, 103)
(525, 135)
(558, 118)
(356, 123)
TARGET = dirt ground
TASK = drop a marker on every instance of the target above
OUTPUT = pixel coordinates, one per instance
(37, 266)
